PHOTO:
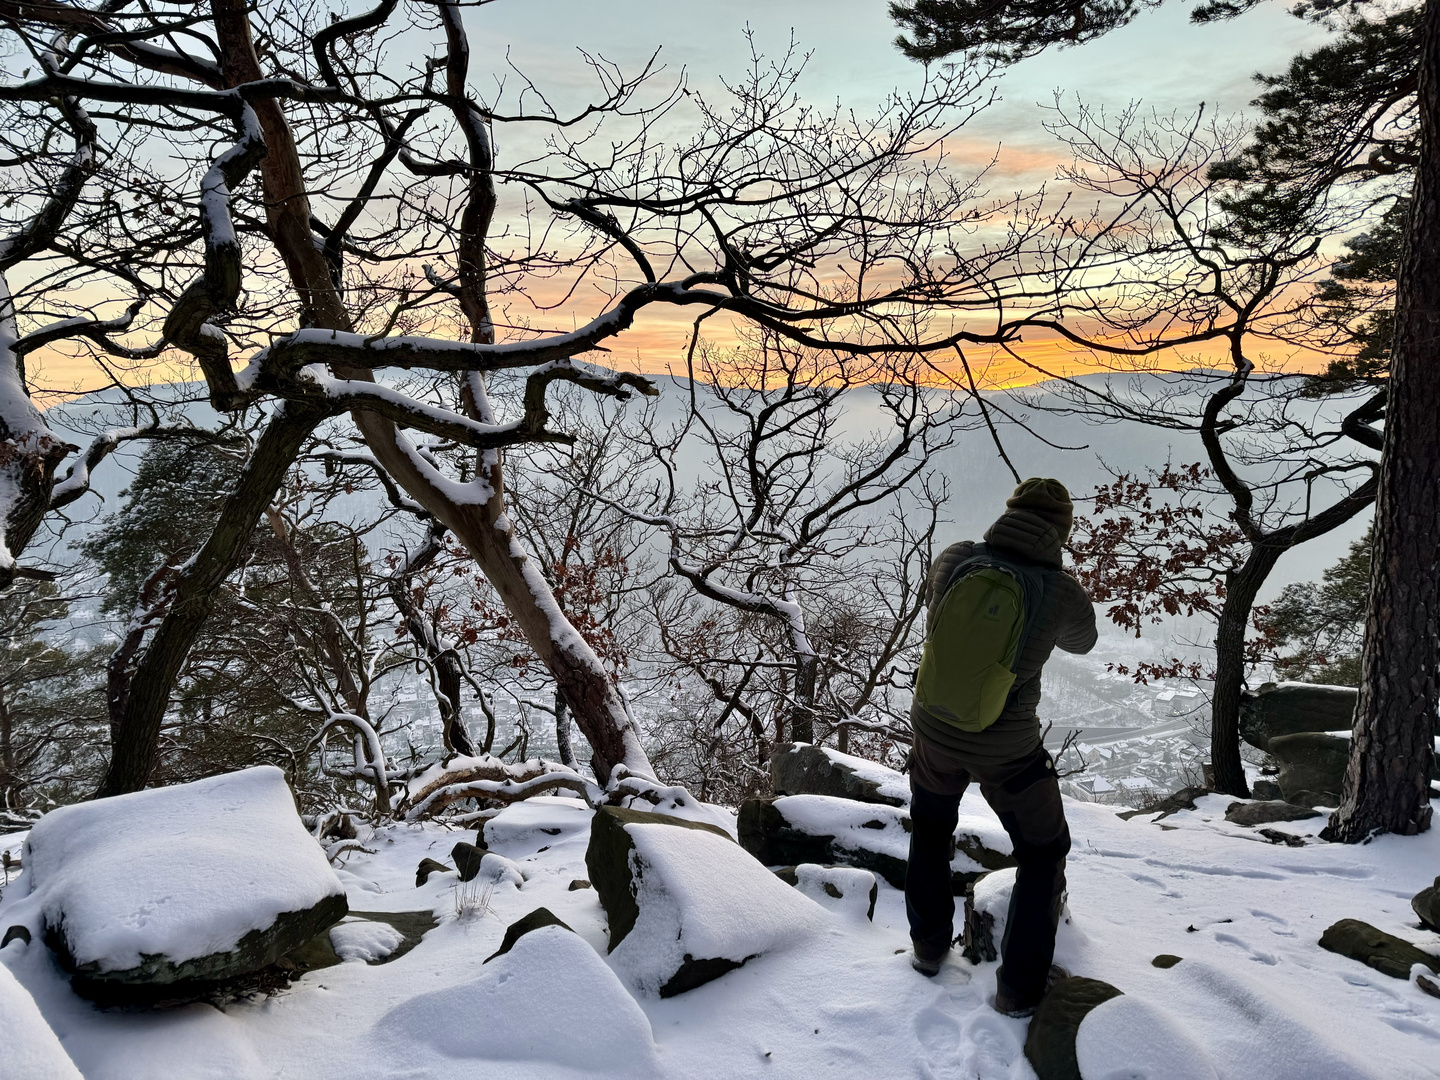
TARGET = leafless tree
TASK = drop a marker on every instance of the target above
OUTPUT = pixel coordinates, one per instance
(1162, 264)
(299, 193)
(797, 501)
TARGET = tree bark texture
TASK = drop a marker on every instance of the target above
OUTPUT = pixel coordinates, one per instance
(802, 714)
(1387, 784)
(563, 726)
(1241, 588)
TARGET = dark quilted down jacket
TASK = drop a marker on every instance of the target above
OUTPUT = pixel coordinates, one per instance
(1067, 619)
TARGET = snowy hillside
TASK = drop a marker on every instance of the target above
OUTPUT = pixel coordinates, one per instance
(1253, 991)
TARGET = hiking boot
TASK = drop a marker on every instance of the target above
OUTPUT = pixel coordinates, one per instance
(926, 959)
(1008, 1003)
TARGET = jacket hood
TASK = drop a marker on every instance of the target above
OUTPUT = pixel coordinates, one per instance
(1029, 535)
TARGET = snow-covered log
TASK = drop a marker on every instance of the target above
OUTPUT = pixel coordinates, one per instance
(487, 777)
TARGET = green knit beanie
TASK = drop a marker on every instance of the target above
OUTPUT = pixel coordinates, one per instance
(1048, 498)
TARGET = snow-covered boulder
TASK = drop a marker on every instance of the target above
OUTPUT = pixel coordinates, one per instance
(685, 903)
(29, 1050)
(1289, 708)
(803, 769)
(987, 908)
(794, 829)
(1050, 1041)
(197, 882)
(496, 870)
(1085, 1029)
(526, 924)
(845, 889)
(550, 1000)
(533, 824)
(1124, 1038)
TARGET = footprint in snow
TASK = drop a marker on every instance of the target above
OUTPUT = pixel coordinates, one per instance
(1278, 925)
(993, 1045)
(1255, 954)
(939, 1036)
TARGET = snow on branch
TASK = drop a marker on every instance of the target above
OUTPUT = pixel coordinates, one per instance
(487, 777)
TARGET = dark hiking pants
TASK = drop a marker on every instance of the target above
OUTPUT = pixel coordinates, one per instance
(1025, 795)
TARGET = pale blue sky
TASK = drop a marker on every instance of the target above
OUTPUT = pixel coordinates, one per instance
(1160, 58)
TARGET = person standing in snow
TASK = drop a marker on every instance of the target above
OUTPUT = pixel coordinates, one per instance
(984, 727)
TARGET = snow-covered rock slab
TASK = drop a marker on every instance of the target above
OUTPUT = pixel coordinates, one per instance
(551, 1001)
(803, 769)
(794, 829)
(845, 889)
(29, 1050)
(197, 882)
(541, 821)
(685, 903)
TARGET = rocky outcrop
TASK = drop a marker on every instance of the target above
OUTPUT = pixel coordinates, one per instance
(428, 867)
(1266, 813)
(685, 903)
(1374, 948)
(789, 830)
(803, 769)
(541, 916)
(1184, 799)
(1426, 904)
(467, 859)
(1293, 708)
(1267, 790)
(1312, 767)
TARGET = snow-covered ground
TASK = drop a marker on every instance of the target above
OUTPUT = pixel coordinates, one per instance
(1254, 990)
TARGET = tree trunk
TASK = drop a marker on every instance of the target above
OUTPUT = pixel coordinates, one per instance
(802, 713)
(1241, 587)
(1387, 784)
(562, 732)
(192, 596)
(7, 756)
(446, 664)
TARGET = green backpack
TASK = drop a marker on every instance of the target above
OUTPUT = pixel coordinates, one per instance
(977, 632)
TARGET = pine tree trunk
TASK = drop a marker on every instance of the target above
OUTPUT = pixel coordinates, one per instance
(1387, 784)
(1241, 587)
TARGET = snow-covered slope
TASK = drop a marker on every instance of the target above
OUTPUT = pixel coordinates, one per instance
(1254, 989)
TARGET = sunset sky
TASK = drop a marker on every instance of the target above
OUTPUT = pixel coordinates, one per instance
(1160, 60)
